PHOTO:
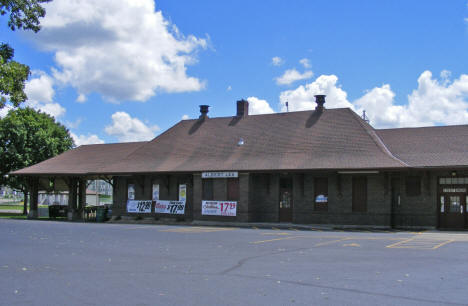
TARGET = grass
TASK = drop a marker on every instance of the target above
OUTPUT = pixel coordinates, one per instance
(15, 207)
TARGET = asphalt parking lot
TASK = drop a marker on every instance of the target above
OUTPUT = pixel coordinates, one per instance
(63, 263)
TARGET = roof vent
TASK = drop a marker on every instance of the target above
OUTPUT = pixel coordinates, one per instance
(204, 111)
(242, 108)
(320, 100)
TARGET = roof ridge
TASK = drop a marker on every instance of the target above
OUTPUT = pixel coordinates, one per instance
(375, 137)
(422, 127)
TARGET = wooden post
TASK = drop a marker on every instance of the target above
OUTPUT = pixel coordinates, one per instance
(72, 194)
(34, 196)
(81, 197)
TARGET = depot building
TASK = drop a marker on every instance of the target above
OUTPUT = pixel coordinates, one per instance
(324, 166)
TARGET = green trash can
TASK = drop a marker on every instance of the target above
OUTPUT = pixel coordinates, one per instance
(101, 213)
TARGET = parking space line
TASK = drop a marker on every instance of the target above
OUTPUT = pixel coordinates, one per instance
(443, 243)
(191, 230)
(276, 239)
(420, 243)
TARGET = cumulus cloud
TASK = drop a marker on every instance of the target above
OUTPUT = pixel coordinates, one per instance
(259, 106)
(122, 49)
(185, 117)
(229, 88)
(305, 62)
(277, 61)
(433, 102)
(127, 129)
(302, 98)
(86, 139)
(40, 92)
(4, 111)
(292, 75)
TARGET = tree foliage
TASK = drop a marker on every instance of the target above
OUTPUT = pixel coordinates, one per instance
(23, 14)
(28, 137)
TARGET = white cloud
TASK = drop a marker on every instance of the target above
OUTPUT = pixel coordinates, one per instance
(259, 106)
(81, 98)
(292, 75)
(185, 117)
(128, 129)
(305, 62)
(277, 61)
(86, 139)
(302, 98)
(229, 88)
(122, 49)
(432, 102)
(41, 93)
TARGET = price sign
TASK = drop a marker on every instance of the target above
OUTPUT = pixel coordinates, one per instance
(219, 208)
(169, 207)
(135, 206)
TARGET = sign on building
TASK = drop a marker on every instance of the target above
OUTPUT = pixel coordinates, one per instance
(219, 208)
(232, 174)
(135, 206)
(131, 192)
(155, 192)
(169, 207)
(182, 192)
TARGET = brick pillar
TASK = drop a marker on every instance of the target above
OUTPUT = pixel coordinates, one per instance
(81, 197)
(244, 191)
(72, 197)
(34, 198)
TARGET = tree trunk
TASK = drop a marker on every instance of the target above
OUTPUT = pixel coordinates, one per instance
(25, 205)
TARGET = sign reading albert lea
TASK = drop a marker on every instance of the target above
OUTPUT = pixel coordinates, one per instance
(169, 207)
(219, 208)
(135, 206)
(220, 174)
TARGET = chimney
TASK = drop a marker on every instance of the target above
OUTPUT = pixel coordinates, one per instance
(320, 100)
(204, 111)
(242, 108)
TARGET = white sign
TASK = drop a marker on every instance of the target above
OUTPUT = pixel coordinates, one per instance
(219, 208)
(219, 174)
(131, 192)
(155, 192)
(183, 192)
(135, 206)
(454, 189)
(169, 207)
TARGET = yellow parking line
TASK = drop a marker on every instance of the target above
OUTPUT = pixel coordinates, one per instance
(331, 242)
(443, 243)
(276, 239)
(398, 243)
(277, 234)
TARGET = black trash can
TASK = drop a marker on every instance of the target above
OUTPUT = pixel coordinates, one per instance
(101, 214)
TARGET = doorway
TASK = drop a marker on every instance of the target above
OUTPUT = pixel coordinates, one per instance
(452, 209)
(286, 200)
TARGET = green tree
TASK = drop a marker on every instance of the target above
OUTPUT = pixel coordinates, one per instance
(23, 14)
(28, 137)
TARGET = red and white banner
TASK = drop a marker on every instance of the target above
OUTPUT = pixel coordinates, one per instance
(169, 207)
(219, 208)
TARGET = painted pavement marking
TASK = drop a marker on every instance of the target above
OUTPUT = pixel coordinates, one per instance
(420, 243)
(198, 229)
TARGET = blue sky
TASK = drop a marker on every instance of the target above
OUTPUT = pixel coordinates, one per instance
(117, 70)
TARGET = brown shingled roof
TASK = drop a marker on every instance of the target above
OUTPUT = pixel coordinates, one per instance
(82, 160)
(437, 146)
(333, 139)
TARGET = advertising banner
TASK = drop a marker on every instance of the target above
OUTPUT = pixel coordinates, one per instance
(135, 206)
(131, 192)
(219, 208)
(169, 207)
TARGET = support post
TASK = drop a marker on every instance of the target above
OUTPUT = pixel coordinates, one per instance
(72, 195)
(81, 197)
(34, 196)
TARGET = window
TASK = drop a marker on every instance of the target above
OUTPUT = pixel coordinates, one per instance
(233, 189)
(321, 193)
(359, 194)
(413, 186)
(207, 192)
(155, 192)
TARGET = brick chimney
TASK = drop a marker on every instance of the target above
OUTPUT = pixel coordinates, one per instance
(320, 100)
(242, 108)
(204, 111)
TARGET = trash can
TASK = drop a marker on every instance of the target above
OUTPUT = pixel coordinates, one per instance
(101, 213)
(57, 211)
